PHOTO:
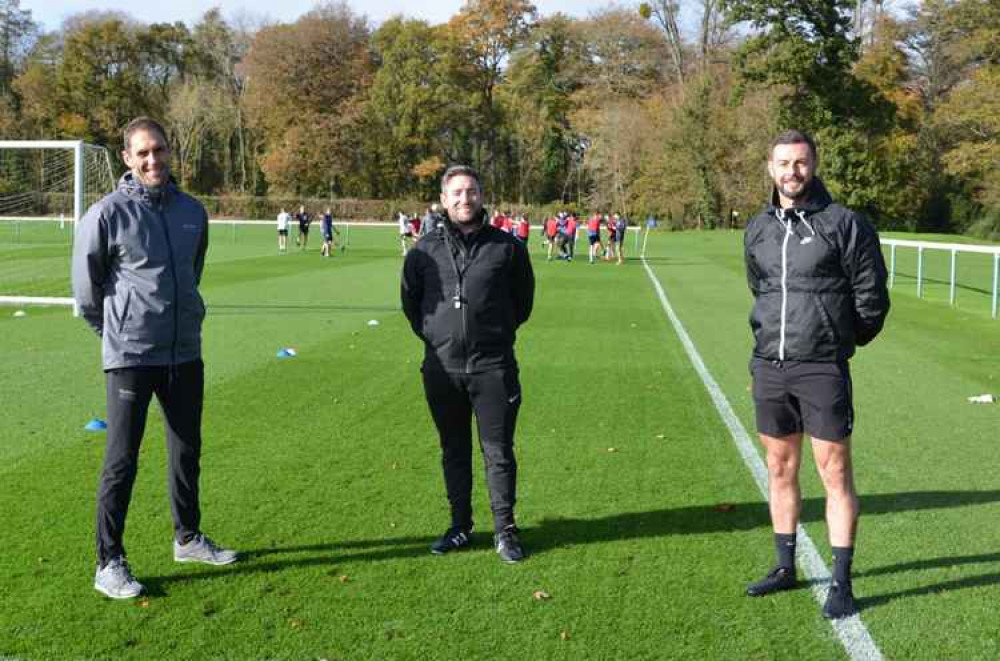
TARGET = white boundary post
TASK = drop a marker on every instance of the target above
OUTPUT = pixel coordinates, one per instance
(920, 272)
(996, 281)
(951, 292)
(892, 265)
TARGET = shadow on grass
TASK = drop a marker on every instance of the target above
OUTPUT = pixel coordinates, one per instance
(552, 533)
(980, 581)
(728, 517)
(269, 560)
(912, 277)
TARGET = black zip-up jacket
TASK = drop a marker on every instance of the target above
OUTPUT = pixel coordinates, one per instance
(466, 296)
(818, 280)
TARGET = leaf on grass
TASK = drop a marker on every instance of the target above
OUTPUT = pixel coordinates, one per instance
(563, 635)
(661, 436)
(343, 578)
(612, 449)
(144, 603)
(541, 595)
(295, 623)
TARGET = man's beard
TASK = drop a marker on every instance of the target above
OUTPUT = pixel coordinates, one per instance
(799, 194)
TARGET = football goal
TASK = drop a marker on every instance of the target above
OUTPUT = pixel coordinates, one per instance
(45, 187)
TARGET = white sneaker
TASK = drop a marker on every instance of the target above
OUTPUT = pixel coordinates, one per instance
(115, 580)
(202, 549)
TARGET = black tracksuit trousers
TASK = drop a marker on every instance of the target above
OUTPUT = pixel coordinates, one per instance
(494, 397)
(180, 391)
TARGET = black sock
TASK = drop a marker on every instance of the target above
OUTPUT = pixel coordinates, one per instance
(842, 557)
(785, 546)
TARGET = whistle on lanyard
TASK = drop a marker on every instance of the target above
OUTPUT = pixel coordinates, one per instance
(457, 298)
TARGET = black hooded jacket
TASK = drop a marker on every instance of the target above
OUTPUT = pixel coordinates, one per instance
(465, 296)
(818, 280)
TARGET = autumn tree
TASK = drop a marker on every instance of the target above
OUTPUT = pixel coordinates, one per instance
(483, 34)
(305, 91)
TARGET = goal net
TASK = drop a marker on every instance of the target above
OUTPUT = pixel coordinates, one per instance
(45, 187)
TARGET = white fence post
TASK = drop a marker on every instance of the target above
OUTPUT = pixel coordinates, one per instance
(920, 272)
(996, 281)
(951, 292)
(892, 265)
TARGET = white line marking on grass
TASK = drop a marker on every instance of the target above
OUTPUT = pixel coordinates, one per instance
(852, 632)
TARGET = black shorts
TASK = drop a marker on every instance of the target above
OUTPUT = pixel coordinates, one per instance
(795, 397)
(282, 232)
(303, 229)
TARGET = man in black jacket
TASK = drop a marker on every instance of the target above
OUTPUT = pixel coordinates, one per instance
(466, 288)
(818, 279)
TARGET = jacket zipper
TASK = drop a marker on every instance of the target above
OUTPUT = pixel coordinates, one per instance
(173, 276)
(784, 283)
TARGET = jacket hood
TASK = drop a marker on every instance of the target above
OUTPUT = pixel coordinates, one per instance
(817, 199)
(135, 189)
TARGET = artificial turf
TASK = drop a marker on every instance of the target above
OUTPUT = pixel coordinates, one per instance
(641, 521)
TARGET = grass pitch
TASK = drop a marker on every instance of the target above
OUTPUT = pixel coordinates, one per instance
(641, 521)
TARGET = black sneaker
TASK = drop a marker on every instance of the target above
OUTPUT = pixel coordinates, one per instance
(508, 545)
(778, 579)
(455, 538)
(839, 601)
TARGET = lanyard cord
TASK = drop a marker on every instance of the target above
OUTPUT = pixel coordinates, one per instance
(457, 298)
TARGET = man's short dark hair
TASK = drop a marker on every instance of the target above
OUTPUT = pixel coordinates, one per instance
(142, 124)
(459, 171)
(793, 137)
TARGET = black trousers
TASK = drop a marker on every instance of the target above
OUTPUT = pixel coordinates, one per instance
(494, 397)
(180, 391)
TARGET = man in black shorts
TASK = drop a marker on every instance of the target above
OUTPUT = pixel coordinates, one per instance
(818, 279)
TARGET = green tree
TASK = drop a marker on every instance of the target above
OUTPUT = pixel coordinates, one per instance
(542, 78)
(17, 32)
(409, 112)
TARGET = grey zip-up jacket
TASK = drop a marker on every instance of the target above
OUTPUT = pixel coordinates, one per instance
(137, 262)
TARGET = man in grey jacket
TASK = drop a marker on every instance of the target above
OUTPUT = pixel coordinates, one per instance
(137, 262)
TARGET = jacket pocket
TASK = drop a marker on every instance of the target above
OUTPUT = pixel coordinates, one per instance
(831, 333)
(124, 312)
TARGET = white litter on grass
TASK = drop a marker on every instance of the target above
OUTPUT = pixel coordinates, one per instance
(983, 399)
(20, 313)
(373, 322)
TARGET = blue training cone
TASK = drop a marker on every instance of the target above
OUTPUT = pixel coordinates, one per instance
(96, 425)
(287, 352)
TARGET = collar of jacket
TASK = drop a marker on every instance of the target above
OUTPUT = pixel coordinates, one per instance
(452, 228)
(139, 191)
(817, 199)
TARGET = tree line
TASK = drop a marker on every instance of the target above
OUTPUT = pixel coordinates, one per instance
(665, 107)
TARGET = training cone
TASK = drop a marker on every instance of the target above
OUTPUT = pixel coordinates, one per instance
(373, 322)
(20, 313)
(96, 425)
(287, 352)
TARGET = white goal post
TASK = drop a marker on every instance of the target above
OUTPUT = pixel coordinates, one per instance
(30, 185)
